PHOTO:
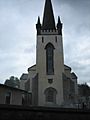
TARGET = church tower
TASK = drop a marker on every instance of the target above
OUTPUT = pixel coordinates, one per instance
(49, 59)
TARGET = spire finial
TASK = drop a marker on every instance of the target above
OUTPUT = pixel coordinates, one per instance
(38, 26)
(59, 21)
(38, 22)
(59, 26)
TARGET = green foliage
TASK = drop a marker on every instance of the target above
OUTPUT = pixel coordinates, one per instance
(84, 90)
(12, 82)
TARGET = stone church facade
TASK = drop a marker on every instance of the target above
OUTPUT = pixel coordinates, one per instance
(51, 82)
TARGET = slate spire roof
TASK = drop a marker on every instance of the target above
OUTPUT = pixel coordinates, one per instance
(48, 17)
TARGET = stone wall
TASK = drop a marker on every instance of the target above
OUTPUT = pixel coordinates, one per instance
(41, 113)
(14, 96)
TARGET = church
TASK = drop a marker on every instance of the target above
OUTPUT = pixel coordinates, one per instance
(51, 82)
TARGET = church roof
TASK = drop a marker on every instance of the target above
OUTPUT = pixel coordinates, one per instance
(32, 68)
(10, 88)
(24, 76)
(74, 76)
(67, 67)
(48, 18)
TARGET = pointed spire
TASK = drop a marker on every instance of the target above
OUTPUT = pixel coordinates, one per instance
(48, 18)
(59, 26)
(59, 21)
(38, 22)
(38, 26)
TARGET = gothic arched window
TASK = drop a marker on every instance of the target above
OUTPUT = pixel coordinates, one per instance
(49, 59)
(50, 95)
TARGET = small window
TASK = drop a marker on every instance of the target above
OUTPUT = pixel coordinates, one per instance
(8, 98)
(56, 39)
(50, 81)
(23, 99)
(42, 39)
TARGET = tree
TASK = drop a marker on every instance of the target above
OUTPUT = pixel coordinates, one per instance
(12, 78)
(84, 93)
(84, 90)
(12, 82)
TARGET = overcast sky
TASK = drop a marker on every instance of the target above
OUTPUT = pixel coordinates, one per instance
(18, 35)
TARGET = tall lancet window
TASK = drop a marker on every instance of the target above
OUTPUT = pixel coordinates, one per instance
(49, 59)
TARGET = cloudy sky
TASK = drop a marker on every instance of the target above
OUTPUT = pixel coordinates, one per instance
(18, 35)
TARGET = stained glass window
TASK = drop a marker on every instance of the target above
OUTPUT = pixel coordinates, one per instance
(49, 59)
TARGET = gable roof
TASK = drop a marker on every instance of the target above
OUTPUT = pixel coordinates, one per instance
(24, 76)
(74, 76)
(67, 67)
(33, 68)
(11, 88)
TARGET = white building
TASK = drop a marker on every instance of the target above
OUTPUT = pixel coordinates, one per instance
(14, 96)
(51, 82)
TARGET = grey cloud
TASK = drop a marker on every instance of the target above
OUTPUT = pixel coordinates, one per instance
(78, 3)
(82, 70)
(30, 49)
(17, 34)
(76, 19)
(76, 35)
